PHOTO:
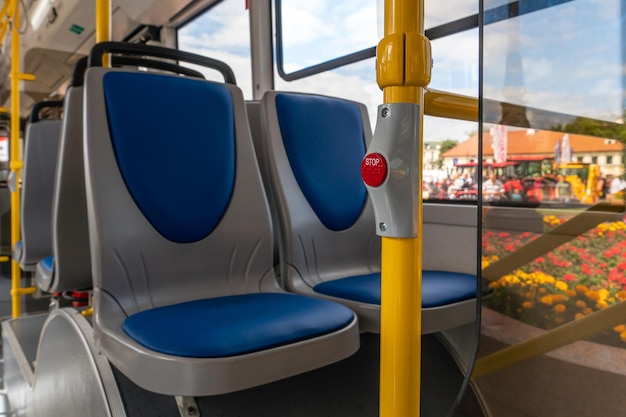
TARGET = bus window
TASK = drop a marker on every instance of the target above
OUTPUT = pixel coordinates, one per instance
(311, 33)
(437, 13)
(455, 64)
(221, 32)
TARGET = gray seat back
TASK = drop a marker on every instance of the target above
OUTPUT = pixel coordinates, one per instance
(149, 192)
(313, 148)
(40, 161)
(70, 233)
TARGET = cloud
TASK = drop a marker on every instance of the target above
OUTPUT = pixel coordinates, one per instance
(564, 68)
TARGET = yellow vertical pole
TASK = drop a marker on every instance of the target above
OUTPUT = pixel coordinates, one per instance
(103, 25)
(403, 70)
(16, 163)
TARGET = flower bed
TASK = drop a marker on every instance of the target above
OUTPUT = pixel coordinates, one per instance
(581, 276)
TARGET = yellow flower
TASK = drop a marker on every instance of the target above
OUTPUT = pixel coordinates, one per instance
(603, 294)
(560, 308)
(529, 304)
(494, 285)
(601, 304)
(561, 285)
(547, 300)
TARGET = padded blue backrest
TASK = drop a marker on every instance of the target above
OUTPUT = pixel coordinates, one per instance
(325, 144)
(164, 164)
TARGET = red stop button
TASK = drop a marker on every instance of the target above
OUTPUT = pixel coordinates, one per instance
(374, 169)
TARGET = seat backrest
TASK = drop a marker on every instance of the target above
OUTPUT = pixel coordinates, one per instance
(176, 205)
(70, 232)
(40, 160)
(313, 150)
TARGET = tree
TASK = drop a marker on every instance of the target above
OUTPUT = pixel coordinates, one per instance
(445, 146)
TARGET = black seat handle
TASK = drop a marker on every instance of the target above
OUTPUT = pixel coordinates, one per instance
(37, 108)
(78, 76)
(95, 56)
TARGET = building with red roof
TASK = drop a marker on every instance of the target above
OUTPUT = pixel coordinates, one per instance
(606, 153)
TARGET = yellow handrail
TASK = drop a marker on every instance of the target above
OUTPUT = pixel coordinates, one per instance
(103, 25)
(15, 164)
(403, 70)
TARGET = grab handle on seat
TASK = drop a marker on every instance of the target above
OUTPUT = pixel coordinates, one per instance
(95, 56)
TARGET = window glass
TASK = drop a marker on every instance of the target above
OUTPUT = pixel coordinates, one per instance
(317, 31)
(554, 85)
(222, 32)
(438, 12)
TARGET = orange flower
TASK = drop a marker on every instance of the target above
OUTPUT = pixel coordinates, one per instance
(547, 300)
(620, 328)
(621, 295)
(572, 293)
(581, 289)
(560, 308)
(529, 304)
(587, 311)
(579, 316)
(559, 320)
(581, 304)
(558, 298)
(592, 295)
(622, 336)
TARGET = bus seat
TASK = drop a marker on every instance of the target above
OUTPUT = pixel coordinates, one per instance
(185, 297)
(70, 268)
(40, 160)
(328, 245)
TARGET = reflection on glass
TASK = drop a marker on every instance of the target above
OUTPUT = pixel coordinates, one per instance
(577, 40)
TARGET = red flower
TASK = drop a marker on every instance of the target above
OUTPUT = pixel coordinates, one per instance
(569, 277)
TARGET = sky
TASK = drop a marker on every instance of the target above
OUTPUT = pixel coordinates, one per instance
(569, 55)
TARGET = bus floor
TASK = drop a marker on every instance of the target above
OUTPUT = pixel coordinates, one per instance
(348, 388)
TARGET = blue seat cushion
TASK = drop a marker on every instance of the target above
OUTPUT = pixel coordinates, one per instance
(164, 165)
(47, 263)
(235, 325)
(439, 288)
(325, 144)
